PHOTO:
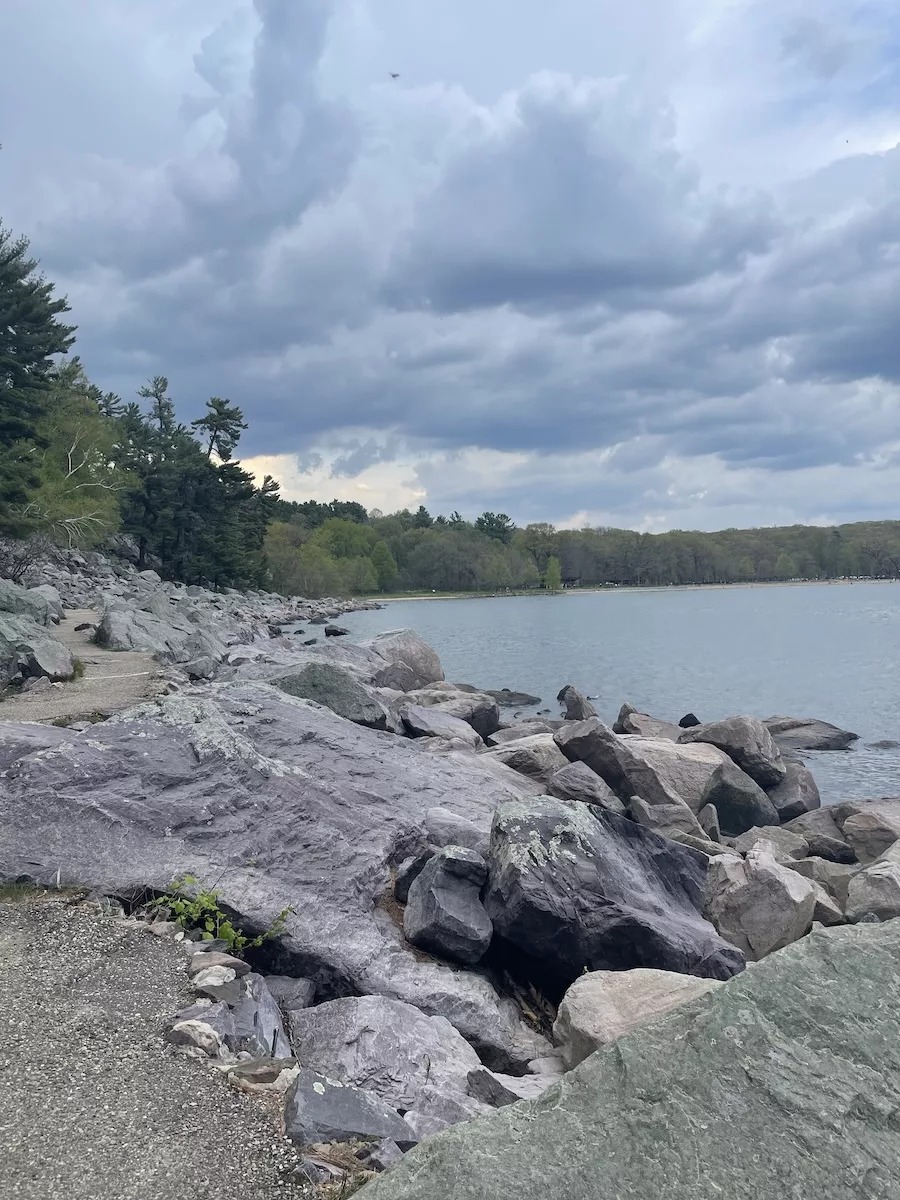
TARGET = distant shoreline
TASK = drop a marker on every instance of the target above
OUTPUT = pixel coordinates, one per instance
(631, 589)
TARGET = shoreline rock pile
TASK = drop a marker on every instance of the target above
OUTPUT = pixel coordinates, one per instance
(478, 905)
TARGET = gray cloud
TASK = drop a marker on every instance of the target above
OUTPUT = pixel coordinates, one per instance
(537, 265)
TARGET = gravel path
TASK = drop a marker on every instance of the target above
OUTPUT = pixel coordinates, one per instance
(113, 680)
(93, 1104)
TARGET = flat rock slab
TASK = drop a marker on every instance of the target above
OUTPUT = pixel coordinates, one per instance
(92, 1102)
(784, 1082)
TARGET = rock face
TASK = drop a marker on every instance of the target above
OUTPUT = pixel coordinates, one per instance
(787, 844)
(577, 706)
(576, 781)
(405, 646)
(289, 805)
(685, 770)
(604, 1005)
(650, 727)
(446, 828)
(384, 1046)
(318, 1109)
(757, 904)
(833, 877)
(668, 820)
(335, 687)
(475, 708)
(740, 803)
(433, 722)
(537, 756)
(578, 887)
(871, 828)
(796, 794)
(803, 733)
(823, 836)
(670, 1110)
(612, 758)
(875, 889)
(27, 650)
(747, 742)
(444, 914)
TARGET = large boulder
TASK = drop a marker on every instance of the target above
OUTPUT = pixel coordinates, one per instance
(740, 803)
(807, 733)
(756, 903)
(871, 826)
(446, 828)
(745, 740)
(605, 1005)
(435, 723)
(475, 708)
(330, 684)
(576, 781)
(405, 646)
(521, 729)
(875, 889)
(537, 756)
(577, 887)
(822, 835)
(684, 770)
(28, 650)
(786, 845)
(780, 1083)
(318, 1109)
(796, 794)
(668, 820)
(444, 914)
(31, 603)
(284, 804)
(577, 706)
(833, 877)
(384, 1046)
(611, 757)
(650, 727)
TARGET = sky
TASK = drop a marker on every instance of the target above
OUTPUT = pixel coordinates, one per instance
(581, 262)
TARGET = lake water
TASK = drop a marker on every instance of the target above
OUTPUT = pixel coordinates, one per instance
(828, 651)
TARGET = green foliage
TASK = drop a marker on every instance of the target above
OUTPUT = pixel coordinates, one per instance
(552, 577)
(194, 906)
(495, 525)
(77, 669)
(385, 567)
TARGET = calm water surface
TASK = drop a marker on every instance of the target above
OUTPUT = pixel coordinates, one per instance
(829, 651)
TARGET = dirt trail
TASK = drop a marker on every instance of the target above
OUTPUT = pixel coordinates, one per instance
(113, 680)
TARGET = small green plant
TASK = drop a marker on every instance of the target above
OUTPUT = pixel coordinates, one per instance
(77, 669)
(194, 906)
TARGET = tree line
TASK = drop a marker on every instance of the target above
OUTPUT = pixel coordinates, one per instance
(78, 465)
(339, 547)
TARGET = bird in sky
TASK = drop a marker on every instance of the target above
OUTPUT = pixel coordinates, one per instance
(395, 74)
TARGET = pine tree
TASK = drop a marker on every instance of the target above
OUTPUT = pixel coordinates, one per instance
(222, 426)
(30, 336)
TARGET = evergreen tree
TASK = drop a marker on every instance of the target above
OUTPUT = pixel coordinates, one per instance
(496, 525)
(221, 426)
(31, 334)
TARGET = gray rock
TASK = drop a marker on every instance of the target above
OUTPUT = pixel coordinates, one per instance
(30, 603)
(684, 770)
(700, 1086)
(602, 1006)
(258, 1027)
(709, 822)
(537, 756)
(336, 688)
(576, 781)
(874, 889)
(405, 646)
(437, 1110)
(318, 1109)
(383, 1155)
(788, 845)
(435, 723)
(522, 729)
(507, 698)
(208, 1028)
(689, 720)
(823, 836)
(612, 758)
(651, 727)
(291, 993)
(577, 706)
(397, 676)
(475, 708)
(804, 733)
(833, 877)
(873, 828)
(446, 828)
(19, 739)
(668, 820)
(408, 871)
(204, 667)
(748, 742)
(285, 804)
(624, 712)
(51, 599)
(498, 1090)
(389, 1048)
(796, 794)
(756, 903)
(28, 650)
(577, 887)
(739, 802)
(827, 911)
(444, 914)
(204, 960)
